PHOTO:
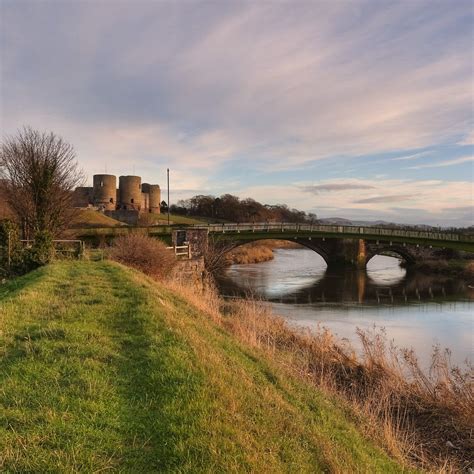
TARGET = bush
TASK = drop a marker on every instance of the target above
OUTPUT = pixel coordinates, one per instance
(11, 251)
(143, 253)
(16, 259)
(42, 251)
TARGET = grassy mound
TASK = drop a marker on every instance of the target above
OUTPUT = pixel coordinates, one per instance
(104, 369)
(89, 218)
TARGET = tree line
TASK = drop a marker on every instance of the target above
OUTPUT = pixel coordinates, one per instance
(231, 208)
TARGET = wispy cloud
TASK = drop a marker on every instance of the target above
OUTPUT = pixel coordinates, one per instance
(440, 164)
(385, 199)
(316, 189)
(415, 156)
(288, 84)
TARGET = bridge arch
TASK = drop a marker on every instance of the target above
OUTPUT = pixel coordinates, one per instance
(390, 250)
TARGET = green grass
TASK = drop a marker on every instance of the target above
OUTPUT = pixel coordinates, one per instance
(177, 219)
(89, 218)
(103, 369)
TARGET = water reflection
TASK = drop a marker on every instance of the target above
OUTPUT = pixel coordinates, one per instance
(417, 310)
(301, 277)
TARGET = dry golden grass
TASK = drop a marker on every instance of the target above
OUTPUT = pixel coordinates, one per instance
(256, 252)
(249, 253)
(423, 419)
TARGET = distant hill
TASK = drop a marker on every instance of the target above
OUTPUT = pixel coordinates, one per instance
(379, 223)
(342, 221)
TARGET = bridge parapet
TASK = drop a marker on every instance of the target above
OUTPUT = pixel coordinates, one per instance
(333, 229)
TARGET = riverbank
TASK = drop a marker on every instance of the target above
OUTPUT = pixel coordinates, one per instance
(104, 369)
(461, 268)
(258, 252)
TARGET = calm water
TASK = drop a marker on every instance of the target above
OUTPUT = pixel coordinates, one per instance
(416, 310)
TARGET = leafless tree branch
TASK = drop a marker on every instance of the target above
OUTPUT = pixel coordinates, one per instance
(39, 172)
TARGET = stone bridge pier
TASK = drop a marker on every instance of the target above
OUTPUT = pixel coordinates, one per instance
(358, 252)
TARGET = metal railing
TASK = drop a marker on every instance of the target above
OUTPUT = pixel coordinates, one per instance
(336, 229)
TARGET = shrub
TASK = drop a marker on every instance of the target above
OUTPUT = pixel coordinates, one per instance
(11, 258)
(42, 251)
(143, 253)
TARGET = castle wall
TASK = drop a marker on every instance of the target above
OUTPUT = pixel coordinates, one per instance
(129, 216)
(82, 196)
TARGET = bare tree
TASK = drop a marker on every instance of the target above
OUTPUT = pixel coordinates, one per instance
(40, 173)
(215, 255)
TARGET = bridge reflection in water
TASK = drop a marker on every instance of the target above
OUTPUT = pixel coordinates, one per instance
(382, 285)
(416, 310)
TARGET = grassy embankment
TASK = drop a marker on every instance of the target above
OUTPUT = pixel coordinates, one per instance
(89, 218)
(104, 369)
(162, 219)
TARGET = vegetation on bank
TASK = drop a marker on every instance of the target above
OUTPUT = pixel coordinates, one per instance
(250, 253)
(422, 418)
(142, 253)
(103, 369)
(462, 268)
(257, 252)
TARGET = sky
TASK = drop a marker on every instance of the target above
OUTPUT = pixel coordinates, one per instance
(355, 109)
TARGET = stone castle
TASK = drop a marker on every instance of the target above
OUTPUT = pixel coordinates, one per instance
(124, 203)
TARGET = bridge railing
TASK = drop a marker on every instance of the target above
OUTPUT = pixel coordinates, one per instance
(336, 229)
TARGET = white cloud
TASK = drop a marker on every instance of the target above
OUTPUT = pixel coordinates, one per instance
(440, 164)
(413, 156)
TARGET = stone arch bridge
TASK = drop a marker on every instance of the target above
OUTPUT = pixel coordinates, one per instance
(337, 245)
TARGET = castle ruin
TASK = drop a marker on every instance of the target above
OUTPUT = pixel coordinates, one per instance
(125, 203)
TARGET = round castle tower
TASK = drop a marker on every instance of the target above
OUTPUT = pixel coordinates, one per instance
(130, 192)
(154, 197)
(104, 191)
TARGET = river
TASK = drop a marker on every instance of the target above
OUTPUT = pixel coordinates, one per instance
(416, 310)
